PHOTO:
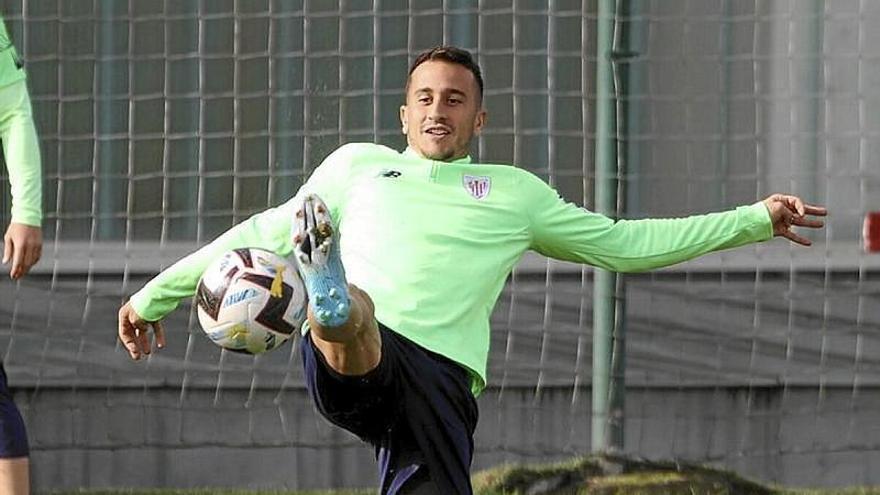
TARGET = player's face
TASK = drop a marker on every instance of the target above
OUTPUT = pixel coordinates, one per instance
(443, 110)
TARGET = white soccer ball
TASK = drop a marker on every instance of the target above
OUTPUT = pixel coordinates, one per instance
(251, 301)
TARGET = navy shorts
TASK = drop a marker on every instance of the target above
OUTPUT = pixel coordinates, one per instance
(416, 408)
(13, 438)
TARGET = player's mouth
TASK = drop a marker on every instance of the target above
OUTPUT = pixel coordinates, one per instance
(437, 131)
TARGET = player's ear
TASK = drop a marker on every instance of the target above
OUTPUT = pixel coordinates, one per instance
(403, 125)
(479, 120)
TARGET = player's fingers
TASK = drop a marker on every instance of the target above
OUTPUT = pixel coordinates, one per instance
(137, 322)
(29, 259)
(159, 329)
(819, 211)
(807, 222)
(7, 249)
(34, 253)
(142, 335)
(17, 256)
(803, 241)
(791, 203)
(788, 201)
(798, 205)
(127, 337)
(140, 331)
(130, 346)
(141, 340)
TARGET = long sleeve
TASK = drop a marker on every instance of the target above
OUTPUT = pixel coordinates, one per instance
(21, 147)
(564, 231)
(270, 230)
(161, 295)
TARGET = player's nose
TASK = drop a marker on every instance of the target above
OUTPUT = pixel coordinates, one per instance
(436, 112)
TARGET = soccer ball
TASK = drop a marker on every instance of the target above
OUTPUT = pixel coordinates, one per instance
(251, 301)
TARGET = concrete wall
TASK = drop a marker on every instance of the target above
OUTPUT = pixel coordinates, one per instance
(144, 438)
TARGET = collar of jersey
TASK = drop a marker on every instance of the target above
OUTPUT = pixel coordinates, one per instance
(412, 153)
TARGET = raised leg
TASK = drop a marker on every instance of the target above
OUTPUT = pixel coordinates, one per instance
(340, 316)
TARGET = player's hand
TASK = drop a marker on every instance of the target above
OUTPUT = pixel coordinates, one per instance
(134, 332)
(787, 211)
(23, 244)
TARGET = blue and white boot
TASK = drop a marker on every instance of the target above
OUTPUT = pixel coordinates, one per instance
(316, 251)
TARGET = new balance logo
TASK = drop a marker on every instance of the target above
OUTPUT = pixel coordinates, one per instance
(391, 173)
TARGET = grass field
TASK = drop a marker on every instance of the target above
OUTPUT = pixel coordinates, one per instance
(599, 475)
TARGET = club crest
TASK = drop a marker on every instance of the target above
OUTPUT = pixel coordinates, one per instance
(477, 185)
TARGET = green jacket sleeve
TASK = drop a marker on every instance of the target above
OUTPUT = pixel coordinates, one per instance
(161, 295)
(564, 231)
(270, 230)
(21, 148)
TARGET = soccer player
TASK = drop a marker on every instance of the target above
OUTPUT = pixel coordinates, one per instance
(426, 238)
(23, 241)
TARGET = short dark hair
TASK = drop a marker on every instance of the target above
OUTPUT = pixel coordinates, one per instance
(452, 55)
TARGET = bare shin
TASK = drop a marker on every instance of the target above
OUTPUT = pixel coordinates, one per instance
(15, 476)
(355, 347)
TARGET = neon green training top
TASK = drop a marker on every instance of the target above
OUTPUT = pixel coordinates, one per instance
(432, 242)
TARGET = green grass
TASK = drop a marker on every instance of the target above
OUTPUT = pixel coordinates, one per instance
(610, 475)
(594, 475)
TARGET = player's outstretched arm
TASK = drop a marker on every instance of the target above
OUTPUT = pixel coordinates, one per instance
(23, 246)
(134, 332)
(23, 241)
(564, 231)
(787, 211)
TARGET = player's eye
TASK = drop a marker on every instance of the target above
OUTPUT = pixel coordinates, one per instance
(425, 100)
